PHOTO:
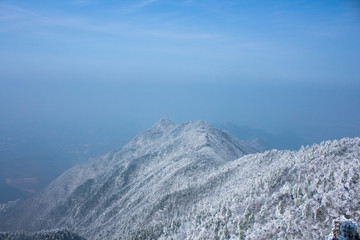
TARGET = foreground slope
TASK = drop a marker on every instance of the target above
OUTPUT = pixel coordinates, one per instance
(278, 195)
(127, 190)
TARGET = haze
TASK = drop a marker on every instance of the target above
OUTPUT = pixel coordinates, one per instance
(74, 73)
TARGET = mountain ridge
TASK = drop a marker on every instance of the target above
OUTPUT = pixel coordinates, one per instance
(193, 181)
(167, 154)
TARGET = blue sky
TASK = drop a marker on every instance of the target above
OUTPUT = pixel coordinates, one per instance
(161, 40)
(277, 65)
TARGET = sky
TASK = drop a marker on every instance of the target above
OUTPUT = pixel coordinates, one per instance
(283, 66)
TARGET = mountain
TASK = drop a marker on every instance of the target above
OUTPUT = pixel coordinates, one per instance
(264, 140)
(193, 181)
(167, 159)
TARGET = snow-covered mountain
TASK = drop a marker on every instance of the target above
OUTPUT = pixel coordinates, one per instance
(106, 195)
(193, 181)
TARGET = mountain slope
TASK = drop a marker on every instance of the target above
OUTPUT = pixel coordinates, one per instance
(192, 181)
(279, 195)
(125, 190)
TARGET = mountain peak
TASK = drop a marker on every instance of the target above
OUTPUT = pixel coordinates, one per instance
(168, 158)
(164, 122)
(174, 180)
(161, 127)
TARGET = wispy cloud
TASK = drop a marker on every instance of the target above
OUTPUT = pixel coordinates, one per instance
(83, 3)
(28, 19)
(143, 4)
(39, 19)
(178, 35)
(6, 8)
(137, 6)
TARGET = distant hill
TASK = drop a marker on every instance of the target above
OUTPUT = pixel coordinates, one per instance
(265, 140)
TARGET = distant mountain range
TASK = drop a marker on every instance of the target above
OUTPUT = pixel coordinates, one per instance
(194, 181)
(264, 140)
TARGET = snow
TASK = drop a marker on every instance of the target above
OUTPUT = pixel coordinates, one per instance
(193, 181)
(344, 229)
